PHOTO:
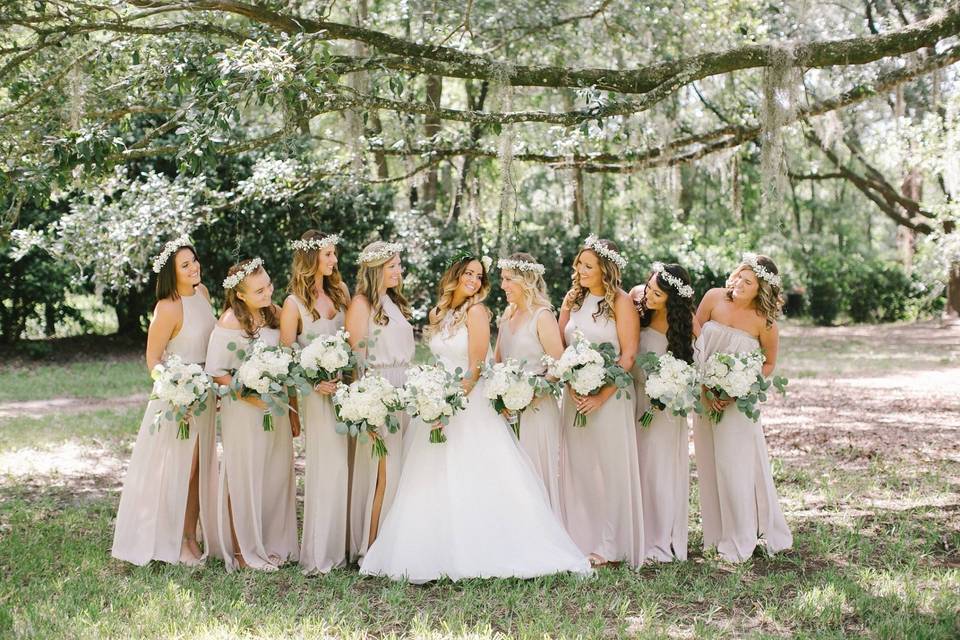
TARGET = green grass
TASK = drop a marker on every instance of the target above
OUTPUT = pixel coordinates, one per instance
(876, 550)
(84, 379)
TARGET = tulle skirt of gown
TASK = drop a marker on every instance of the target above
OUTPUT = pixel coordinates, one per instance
(600, 481)
(257, 475)
(664, 454)
(325, 514)
(472, 507)
(540, 440)
(365, 469)
(153, 502)
(739, 503)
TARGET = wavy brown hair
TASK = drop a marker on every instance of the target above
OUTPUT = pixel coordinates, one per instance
(610, 276)
(679, 313)
(370, 282)
(270, 316)
(769, 300)
(448, 284)
(303, 277)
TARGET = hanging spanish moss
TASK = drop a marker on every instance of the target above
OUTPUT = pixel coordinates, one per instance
(76, 91)
(781, 85)
(503, 101)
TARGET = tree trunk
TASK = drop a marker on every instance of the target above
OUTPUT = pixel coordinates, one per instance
(431, 127)
(475, 102)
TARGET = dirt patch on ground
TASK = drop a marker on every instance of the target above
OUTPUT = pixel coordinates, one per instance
(33, 408)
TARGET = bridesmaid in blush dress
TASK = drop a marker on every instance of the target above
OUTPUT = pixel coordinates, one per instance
(170, 490)
(600, 477)
(740, 506)
(380, 331)
(315, 307)
(667, 325)
(528, 331)
(257, 515)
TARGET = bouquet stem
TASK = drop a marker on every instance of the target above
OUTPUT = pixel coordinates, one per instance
(268, 421)
(183, 429)
(378, 449)
(436, 436)
(715, 416)
(580, 420)
(514, 422)
(646, 418)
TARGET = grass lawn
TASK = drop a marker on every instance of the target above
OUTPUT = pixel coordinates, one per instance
(866, 458)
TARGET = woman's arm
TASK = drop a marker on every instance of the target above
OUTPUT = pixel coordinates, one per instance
(770, 343)
(565, 315)
(548, 331)
(167, 318)
(478, 343)
(628, 329)
(289, 322)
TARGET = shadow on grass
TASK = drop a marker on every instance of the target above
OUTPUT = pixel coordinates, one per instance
(881, 575)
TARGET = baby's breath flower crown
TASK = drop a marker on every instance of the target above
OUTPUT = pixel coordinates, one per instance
(232, 281)
(521, 265)
(760, 270)
(380, 252)
(685, 290)
(593, 243)
(315, 244)
(168, 250)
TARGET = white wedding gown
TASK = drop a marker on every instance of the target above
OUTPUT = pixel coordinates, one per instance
(472, 507)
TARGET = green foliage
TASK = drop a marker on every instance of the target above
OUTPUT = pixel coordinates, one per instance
(825, 287)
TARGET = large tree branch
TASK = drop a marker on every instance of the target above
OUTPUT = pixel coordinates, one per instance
(447, 61)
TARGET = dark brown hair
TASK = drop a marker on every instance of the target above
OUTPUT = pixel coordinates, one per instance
(270, 317)
(167, 278)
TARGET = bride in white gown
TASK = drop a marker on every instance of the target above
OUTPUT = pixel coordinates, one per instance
(472, 507)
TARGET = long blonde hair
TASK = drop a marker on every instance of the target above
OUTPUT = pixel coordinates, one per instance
(370, 283)
(769, 300)
(533, 287)
(239, 307)
(610, 277)
(303, 277)
(448, 284)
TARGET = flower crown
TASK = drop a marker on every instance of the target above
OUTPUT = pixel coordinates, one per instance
(685, 290)
(232, 281)
(520, 265)
(382, 252)
(168, 250)
(315, 244)
(593, 243)
(761, 271)
(486, 261)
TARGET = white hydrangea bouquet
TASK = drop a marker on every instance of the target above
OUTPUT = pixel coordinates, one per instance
(326, 358)
(184, 387)
(510, 389)
(365, 407)
(268, 373)
(434, 395)
(728, 376)
(671, 385)
(587, 368)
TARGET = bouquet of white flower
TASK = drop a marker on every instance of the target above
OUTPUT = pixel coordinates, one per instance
(184, 387)
(510, 389)
(326, 357)
(267, 373)
(366, 406)
(587, 368)
(739, 376)
(433, 394)
(671, 384)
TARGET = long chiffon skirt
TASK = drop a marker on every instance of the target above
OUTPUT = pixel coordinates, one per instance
(365, 470)
(664, 455)
(257, 477)
(739, 503)
(325, 513)
(600, 481)
(154, 498)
